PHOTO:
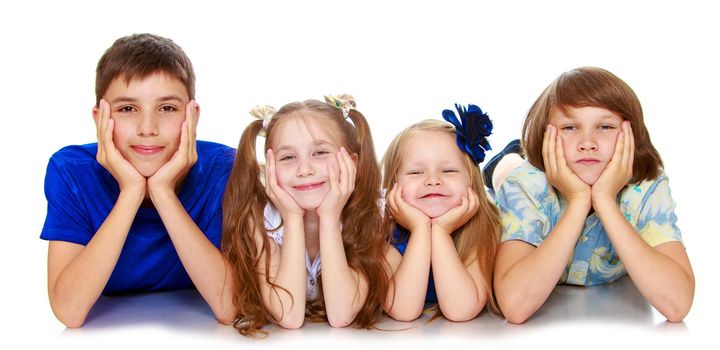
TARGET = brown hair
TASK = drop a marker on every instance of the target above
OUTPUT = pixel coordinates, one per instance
(479, 236)
(591, 87)
(140, 55)
(243, 208)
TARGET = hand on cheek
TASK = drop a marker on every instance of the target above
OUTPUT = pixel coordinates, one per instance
(454, 218)
(618, 172)
(558, 173)
(281, 199)
(403, 213)
(341, 173)
(109, 156)
(168, 177)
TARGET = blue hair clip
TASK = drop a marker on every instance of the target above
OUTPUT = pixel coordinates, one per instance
(472, 130)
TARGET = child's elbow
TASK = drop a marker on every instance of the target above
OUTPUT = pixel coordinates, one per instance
(463, 314)
(337, 322)
(291, 322)
(677, 314)
(71, 320)
(406, 315)
(516, 316)
(225, 319)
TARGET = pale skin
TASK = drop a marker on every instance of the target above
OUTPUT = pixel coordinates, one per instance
(526, 275)
(460, 289)
(315, 230)
(432, 198)
(78, 274)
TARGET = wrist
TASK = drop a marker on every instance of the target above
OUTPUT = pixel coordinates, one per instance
(134, 195)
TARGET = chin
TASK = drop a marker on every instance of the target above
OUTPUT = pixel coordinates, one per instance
(433, 212)
(589, 179)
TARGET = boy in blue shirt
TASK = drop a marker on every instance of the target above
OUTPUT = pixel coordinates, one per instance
(140, 210)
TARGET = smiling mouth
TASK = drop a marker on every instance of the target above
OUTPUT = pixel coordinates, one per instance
(147, 150)
(309, 187)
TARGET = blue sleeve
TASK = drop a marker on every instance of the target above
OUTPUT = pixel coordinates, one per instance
(66, 218)
(657, 220)
(522, 214)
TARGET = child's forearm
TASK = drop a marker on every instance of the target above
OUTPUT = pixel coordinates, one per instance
(524, 280)
(290, 274)
(461, 296)
(77, 275)
(203, 262)
(663, 274)
(344, 289)
(408, 286)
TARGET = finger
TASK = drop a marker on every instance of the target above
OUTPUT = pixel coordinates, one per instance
(618, 153)
(631, 148)
(560, 162)
(334, 175)
(545, 147)
(342, 171)
(192, 131)
(351, 169)
(182, 151)
(271, 181)
(390, 199)
(552, 150)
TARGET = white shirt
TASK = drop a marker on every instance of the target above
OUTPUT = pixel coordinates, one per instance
(273, 220)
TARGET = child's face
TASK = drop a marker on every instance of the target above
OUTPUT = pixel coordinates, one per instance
(303, 149)
(432, 173)
(148, 115)
(589, 135)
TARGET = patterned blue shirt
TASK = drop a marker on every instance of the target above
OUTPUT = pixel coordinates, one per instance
(530, 208)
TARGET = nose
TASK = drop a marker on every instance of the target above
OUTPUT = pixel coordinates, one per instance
(304, 168)
(432, 180)
(587, 142)
(148, 125)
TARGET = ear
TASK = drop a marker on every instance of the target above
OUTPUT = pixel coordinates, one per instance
(197, 111)
(354, 158)
(95, 111)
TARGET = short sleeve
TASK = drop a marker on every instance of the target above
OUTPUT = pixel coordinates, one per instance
(656, 222)
(66, 218)
(521, 213)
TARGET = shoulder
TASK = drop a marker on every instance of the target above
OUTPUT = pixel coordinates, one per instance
(526, 182)
(215, 153)
(75, 155)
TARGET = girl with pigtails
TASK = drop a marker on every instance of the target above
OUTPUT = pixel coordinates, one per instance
(443, 227)
(302, 238)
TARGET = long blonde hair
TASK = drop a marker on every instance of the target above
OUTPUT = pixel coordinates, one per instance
(479, 236)
(243, 215)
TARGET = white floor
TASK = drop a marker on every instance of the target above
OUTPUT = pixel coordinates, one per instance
(594, 317)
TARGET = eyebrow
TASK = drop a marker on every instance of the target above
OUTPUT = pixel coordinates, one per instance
(134, 100)
(315, 143)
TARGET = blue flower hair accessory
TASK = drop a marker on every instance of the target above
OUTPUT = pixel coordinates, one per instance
(472, 130)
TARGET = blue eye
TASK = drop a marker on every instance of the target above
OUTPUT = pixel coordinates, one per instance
(569, 127)
(607, 127)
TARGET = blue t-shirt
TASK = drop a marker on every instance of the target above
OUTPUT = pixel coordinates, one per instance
(81, 194)
(401, 237)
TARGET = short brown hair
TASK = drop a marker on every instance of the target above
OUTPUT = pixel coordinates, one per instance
(140, 55)
(591, 87)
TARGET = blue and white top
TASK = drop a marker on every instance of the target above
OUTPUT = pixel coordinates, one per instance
(530, 208)
(272, 221)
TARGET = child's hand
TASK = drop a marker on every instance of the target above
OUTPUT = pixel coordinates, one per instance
(454, 218)
(618, 172)
(172, 172)
(278, 196)
(557, 171)
(109, 157)
(341, 171)
(403, 213)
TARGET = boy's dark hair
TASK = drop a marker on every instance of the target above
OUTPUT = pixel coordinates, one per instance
(140, 55)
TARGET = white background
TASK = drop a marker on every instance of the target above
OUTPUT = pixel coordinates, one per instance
(403, 61)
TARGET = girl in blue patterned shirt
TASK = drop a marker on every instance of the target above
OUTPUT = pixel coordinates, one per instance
(590, 204)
